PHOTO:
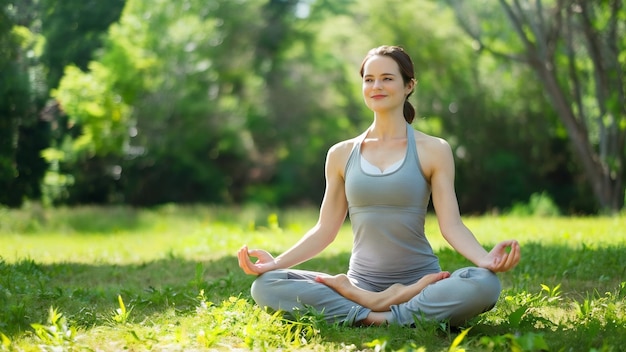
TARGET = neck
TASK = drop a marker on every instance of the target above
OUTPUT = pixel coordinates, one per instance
(387, 128)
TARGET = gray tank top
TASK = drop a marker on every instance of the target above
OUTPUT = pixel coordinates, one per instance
(387, 213)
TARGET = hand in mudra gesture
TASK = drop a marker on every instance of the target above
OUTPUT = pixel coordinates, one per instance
(503, 257)
(265, 261)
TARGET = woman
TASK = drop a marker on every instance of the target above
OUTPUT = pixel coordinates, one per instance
(384, 178)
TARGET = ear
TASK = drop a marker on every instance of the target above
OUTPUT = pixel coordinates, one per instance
(411, 86)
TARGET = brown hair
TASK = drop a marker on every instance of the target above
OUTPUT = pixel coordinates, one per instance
(406, 70)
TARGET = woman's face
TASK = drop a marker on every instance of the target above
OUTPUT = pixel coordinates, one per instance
(383, 87)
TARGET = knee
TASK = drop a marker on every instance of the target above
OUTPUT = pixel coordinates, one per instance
(491, 285)
(480, 295)
(259, 288)
(262, 287)
(488, 287)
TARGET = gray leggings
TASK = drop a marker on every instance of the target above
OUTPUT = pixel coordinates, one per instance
(467, 293)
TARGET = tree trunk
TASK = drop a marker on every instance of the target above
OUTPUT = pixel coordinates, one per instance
(609, 192)
(604, 168)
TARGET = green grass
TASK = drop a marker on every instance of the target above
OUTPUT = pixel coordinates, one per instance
(119, 278)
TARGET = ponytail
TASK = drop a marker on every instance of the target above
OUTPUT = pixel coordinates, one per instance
(408, 111)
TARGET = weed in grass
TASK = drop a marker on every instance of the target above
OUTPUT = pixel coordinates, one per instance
(377, 344)
(454, 347)
(553, 294)
(57, 333)
(198, 280)
(509, 342)
(14, 315)
(6, 342)
(121, 315)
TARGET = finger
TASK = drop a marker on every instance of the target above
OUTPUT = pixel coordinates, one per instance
(515, 254)
(502, 246)
(254, 253)
(240, 257)
(244, 261)
(442, 276)
(242, 251)
(257, 253)
(501, 262)
(248, 266)
(508, 243)
(512, 258)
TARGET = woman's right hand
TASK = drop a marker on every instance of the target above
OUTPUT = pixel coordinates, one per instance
(265, 261)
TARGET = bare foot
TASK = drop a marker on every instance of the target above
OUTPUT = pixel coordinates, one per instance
(379, 301)
(431, 278)
(340, 282)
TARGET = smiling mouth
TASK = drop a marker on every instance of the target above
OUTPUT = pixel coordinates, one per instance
(378, 96)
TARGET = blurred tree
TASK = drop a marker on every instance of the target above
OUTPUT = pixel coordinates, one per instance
(8, 75)
(304, 81)
(96, 131)
(224, 102)
(73, 30)
(228, 101)
(23, 133)
(577, 51)
(185, 69)
(27, 120)
(192, 113)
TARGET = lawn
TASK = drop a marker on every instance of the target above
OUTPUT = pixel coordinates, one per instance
(166, 278)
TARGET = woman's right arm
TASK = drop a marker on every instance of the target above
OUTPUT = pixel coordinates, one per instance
(332, 215)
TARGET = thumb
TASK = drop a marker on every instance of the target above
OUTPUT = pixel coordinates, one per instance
(501, 245)
(252, 252)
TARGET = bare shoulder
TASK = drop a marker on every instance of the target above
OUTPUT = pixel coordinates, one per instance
(433, 152)
(431, 144)
(343, 146)
(338, 155)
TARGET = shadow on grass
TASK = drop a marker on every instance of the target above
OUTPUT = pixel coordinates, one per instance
(87, 293)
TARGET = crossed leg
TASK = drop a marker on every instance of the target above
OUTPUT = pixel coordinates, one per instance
(379, 301)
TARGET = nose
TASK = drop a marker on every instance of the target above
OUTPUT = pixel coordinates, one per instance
(378, 83)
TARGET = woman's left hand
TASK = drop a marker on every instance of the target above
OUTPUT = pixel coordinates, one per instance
(500, 259)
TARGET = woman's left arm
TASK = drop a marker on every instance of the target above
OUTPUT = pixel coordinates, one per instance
(503, 257)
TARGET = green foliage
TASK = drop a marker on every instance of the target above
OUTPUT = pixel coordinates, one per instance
(22, 134)
(525, 342)
(62, 33)
(540, 204)
(10, 78)
(91, 103)
(73, 32)
(238, 101)
(575, 56)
